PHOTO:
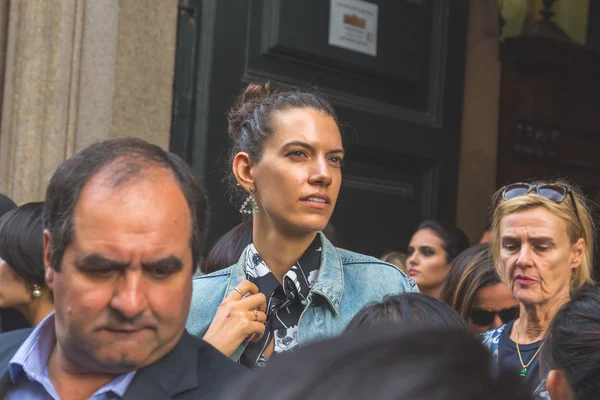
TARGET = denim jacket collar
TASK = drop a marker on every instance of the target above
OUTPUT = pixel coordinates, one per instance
(329, 284)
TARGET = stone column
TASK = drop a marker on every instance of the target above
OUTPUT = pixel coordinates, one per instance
(479, 138)
(80, 71)
(3, 37)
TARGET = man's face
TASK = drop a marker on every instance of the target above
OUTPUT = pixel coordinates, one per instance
(123, 293)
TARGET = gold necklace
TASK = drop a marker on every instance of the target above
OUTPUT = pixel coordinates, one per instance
(524, 370)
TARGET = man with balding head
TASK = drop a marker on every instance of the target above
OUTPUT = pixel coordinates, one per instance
(124, 230)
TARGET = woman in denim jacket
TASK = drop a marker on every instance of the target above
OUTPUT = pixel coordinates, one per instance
(291, 286)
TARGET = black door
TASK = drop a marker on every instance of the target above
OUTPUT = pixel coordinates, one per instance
(400, 109)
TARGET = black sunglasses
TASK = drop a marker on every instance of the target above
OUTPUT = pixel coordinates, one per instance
(553, 192)
(481, 317)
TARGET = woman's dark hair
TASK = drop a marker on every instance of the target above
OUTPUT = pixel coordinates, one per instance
(385, 364)
(408, 309)
(251, 124)
(228, 249)
(572, 343)
(471, 270)
(22, 242)
(6, 204)
(453, 238)
(135, 156)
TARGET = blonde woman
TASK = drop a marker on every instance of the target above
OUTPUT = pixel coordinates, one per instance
(542, 244)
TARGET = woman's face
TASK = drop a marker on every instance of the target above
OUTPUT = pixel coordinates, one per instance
(538, 256)
(427, 261)
(13, 288)
(495, 297)
(298, 178)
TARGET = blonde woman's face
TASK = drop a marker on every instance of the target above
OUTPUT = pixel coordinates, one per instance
(537, 255)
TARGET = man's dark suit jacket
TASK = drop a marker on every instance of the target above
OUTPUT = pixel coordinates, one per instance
(192, 370)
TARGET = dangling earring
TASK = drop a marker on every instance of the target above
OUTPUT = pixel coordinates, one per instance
(250, 206)
(37, 290)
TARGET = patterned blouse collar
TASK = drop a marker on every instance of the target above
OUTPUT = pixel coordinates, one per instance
(285, 303)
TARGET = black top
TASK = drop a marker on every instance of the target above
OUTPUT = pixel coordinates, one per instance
(284, 303)
(508, 357)
(11, 319)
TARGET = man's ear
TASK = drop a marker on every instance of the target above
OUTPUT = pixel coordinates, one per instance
(557, 385)
(242, 169)
(48, 269)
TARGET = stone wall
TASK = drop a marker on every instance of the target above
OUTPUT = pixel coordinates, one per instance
(76, 72)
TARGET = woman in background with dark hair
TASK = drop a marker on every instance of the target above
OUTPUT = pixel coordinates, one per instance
(10, 319)
(228, 249)
(431, 250)
(291, 286)
(571, 350)
(475, 291)
(6, 204)
(408, 309)
(22, 281)
(385, 364)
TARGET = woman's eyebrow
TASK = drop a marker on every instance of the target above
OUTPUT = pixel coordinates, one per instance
(541, 240)
(297, 143)
(308, 146)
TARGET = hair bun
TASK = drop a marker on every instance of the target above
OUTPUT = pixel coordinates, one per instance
(244, 105)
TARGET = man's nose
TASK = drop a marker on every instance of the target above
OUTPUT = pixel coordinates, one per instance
(129, 298)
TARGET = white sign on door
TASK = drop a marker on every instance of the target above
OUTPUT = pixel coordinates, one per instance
(353, 25)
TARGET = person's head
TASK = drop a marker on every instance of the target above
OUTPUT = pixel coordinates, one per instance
(395, 258)
(571, 349)
(408, 309)
(385, 364)
(430, 253)
(22, 256)
(228, 249)
(287, 151)
(542, 241)
(6, 204)
(475, 291)
(124, 228)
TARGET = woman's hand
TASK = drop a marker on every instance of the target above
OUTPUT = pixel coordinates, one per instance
(238, 318)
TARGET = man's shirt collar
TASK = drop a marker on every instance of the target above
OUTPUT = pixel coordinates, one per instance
(33, 355)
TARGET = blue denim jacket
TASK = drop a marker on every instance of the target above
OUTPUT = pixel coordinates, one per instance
(347, 282)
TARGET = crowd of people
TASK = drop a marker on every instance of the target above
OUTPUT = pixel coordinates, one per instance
(116, 300)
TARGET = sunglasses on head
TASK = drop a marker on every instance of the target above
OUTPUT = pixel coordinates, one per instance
(481, 317)
(553, 192)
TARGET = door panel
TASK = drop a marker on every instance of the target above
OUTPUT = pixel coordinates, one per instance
(400, 110)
